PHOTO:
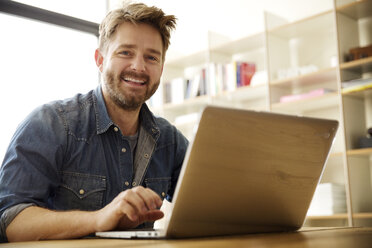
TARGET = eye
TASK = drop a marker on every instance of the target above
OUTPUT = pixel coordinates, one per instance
(126, 53)
(152, 58)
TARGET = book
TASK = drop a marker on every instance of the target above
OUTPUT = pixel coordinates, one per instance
(328, 199)
(310, 94)
(247, 72)
(356, 85)
(244, 73)
(174, 91)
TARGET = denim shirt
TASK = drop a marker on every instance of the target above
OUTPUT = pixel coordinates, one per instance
(69, 155)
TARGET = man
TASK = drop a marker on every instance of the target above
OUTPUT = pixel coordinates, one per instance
(99, 161)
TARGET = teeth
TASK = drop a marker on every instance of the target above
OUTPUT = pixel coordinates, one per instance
(134, 80)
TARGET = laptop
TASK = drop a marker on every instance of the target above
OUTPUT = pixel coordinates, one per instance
(245, 172)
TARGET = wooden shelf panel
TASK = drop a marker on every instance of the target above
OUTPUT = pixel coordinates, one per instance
(327, 217)
(341, 216)
(359, 66)
(357, 10)
(360, 152)
(324, 75)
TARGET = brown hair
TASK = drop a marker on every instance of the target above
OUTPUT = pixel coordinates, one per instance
(137, 13)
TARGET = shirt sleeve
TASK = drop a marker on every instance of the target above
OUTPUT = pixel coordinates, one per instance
(29, 173)
(8, 216)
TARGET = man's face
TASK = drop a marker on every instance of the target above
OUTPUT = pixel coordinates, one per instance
(131, 65)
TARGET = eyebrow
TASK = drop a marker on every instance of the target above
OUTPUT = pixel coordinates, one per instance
(131, 46)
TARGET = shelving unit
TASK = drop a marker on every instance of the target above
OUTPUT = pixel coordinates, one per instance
(299, 59)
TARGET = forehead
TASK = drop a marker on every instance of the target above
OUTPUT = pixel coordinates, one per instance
(144, 36)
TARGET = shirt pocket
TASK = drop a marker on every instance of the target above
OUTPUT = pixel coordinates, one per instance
(159, 185)
(80, 191)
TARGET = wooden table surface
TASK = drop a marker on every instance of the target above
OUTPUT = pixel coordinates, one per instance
(324, 237)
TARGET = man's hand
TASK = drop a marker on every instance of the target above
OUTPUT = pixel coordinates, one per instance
(129, 209)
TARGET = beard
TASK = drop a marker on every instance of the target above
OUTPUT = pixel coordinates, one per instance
(126, 100)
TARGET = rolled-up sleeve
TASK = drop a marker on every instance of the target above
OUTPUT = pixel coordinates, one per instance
(8, 216)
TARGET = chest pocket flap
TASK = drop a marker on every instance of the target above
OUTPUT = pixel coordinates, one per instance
(80, 191)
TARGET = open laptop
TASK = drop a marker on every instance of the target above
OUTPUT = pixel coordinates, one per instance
(246, 172)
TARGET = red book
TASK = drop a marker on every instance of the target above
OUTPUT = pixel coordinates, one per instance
(247, 71)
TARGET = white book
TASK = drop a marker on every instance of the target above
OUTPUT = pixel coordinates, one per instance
(177, 90)
(231, 76)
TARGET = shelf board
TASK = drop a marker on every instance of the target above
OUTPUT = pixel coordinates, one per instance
(360, 65)
(360, 152)
(340, 216)
(357, 10)
(362, 215)
(305, 27)
(319, 102)
(321, 76)
(336, 155)
(246, 44)
(327, 217)
(245, 93)
(363, 94)
(194, 59)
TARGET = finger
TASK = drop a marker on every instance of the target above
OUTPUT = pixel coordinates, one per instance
(154, 215)
(132, 198)
(131, 213)
(151, 199)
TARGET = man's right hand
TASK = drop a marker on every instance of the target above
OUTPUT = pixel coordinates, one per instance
(129, 209)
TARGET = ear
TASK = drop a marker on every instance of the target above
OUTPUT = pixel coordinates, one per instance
(99, 59)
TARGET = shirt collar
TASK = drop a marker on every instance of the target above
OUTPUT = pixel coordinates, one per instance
(103, 120)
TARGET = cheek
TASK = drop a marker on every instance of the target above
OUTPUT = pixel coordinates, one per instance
(114, 65)
(156, 73)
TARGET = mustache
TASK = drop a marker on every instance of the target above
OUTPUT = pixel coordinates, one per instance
(136, 75)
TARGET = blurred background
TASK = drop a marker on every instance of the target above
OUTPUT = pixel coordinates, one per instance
(41, 62)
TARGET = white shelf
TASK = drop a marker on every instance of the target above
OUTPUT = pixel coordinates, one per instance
(250, 43)
(195, 59)
(318, 24)
(313, 43)
(325, 101)
(245, 93)
(321, 76)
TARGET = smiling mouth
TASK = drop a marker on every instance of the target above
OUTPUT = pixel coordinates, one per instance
(135, 81)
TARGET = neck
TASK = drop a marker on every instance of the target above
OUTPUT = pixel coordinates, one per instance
(126, 120)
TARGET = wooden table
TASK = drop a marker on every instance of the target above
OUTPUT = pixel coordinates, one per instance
(324, 237)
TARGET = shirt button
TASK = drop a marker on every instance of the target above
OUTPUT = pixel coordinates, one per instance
(134, 184)
(123, 149)
(146, 155)
(163, 194)
(81, 192)
(126, 183)
(116, 129)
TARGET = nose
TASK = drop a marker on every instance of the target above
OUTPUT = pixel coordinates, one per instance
(138, 64)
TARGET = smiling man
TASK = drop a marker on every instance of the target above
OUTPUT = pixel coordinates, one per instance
(99, 161)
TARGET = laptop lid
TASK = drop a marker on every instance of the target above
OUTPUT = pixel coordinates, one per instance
(249, 172)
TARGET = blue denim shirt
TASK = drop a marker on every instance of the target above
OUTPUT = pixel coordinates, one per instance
(70, 155)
